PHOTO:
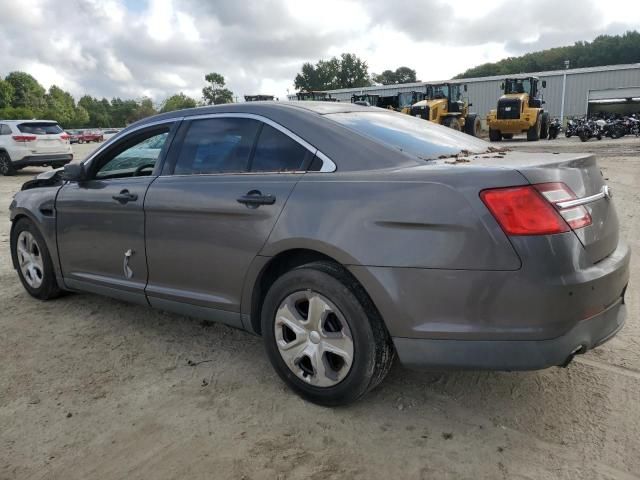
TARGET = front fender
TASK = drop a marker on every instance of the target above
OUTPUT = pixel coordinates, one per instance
(38, 205)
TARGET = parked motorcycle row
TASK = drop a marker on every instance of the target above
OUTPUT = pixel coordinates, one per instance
(613, 126)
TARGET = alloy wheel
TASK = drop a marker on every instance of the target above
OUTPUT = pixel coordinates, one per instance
(30, 259)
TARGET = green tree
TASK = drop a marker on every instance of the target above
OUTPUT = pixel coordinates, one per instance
(6, 94)
(215, 93)
(99, 111)
(121, 111)
(27, 92)
(399, 75)
(60, 106)
(603, 50)
(177, 102)
(80, 117)
(347, 71)
(143, 109)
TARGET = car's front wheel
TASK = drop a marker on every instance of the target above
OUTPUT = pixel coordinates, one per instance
(30, 254)
(323, 335)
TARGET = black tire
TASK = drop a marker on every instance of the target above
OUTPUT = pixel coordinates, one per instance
(533, 134)
(494, 135)
(584, 137)
(544, 126)
(49, 288)
(472, 125)
(452, 122)
(373, 352)
(6, 167)
(507, 136)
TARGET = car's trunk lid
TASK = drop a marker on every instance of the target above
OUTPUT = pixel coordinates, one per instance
(581, 174)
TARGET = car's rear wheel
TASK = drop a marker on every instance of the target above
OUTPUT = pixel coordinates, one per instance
(30, 254)
(323, 335)
(6, 167)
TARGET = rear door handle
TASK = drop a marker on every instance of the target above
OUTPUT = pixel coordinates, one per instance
(255, 198)
(125, 196)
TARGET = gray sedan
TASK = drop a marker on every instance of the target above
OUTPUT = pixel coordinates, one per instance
(342, 234)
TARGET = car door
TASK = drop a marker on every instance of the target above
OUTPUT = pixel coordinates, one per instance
(209, 215)
(100, 220)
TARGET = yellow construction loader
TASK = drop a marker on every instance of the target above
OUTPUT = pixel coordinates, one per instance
(519, 111)
(443, 104)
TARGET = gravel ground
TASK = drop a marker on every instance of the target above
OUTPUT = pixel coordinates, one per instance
(95, 388)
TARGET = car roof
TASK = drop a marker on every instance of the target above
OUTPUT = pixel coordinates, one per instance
(28, 121)
(265, 107)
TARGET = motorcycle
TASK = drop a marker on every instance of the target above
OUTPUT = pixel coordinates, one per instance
(555, 127)
(572, 128)
(589, 129)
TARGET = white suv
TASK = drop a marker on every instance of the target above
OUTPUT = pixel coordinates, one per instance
(26, 143)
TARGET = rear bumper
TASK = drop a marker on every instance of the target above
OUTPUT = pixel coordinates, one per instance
(512, 354)
(43, 160)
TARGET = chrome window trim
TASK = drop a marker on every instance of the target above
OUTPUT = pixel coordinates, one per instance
(125, 133)
(603, 193)
(328, 165)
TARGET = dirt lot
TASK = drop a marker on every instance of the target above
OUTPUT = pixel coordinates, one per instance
(95, 388)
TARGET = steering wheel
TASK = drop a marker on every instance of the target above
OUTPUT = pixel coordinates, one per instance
(142, 167)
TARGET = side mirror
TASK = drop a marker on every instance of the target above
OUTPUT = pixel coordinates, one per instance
(74, 172)
(544, 84)
(471, 104)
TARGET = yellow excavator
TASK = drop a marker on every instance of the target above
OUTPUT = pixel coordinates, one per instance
(520, 109)
(443, 104)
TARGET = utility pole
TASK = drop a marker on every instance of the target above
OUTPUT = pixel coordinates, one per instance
(564, 86)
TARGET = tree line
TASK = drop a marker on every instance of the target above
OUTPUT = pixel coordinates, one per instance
(347, 71)
(23, 97)
(603, 50)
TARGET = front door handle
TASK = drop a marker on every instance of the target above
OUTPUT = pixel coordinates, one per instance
(255, 198)
(125, 196)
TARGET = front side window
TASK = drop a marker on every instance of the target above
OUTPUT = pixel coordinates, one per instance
(276, 152)
(135, 160)
(217, 145)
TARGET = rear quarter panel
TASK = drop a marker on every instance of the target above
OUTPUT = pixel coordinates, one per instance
(422, 217)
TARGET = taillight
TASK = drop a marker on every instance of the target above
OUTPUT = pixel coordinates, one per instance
(531, 210)
(576, 217)
(523, 211)
(64, 136)
(24, 138)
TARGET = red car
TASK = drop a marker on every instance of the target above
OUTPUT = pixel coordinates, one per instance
(90, 136)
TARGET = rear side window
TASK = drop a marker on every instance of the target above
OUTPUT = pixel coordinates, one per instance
(217, 145)
(5, 129)
(408, 134)
(40, 128)
(276, 152)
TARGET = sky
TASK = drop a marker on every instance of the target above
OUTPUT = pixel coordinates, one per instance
(135, 48)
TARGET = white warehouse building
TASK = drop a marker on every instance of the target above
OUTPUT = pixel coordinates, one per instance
(569, 93)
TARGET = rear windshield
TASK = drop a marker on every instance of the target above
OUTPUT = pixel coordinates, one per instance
(40, 128)
(411, 135)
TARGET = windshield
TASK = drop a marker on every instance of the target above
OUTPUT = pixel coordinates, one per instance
(408, 134)
(440, 91)
(518, 86)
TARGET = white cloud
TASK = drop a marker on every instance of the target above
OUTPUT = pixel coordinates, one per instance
(127, 48)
